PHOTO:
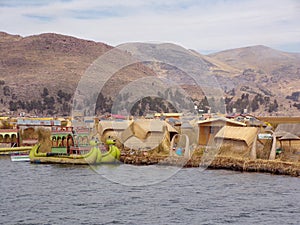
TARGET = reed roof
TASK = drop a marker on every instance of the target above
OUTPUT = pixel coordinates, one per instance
(246, 134)
(151, 142)
(293, 128)
(105, 125)
(143, 127)
(289, 136)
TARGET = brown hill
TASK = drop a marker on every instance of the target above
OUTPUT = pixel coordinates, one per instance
(57, 62)
(259, 58)
(46, 60)
(52, 61)
(263, 70)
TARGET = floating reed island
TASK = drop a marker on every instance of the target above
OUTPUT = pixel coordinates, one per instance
(217, 143)
(242, 143)
(224, 159)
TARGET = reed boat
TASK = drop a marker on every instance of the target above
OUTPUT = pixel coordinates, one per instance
(73, 146)
(65, 158)
(68, 146)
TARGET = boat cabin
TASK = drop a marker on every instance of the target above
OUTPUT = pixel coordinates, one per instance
(68, 140)
(81, 141)
(61, 139)
(9, 138)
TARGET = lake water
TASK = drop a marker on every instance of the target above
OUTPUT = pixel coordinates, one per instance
(58, 194)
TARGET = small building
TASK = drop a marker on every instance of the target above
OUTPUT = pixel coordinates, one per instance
(249, 120)
(210, 127)
(168, 115)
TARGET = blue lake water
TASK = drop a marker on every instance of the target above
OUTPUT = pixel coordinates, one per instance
(58, 194)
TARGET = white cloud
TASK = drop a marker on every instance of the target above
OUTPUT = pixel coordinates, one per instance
(201, 25)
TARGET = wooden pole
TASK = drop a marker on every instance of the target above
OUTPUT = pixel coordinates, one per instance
(253, 149)
(273, 149)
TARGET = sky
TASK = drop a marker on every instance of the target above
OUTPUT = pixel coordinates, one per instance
(203, 25)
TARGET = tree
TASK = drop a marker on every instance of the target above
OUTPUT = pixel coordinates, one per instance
(6, 91)
(273, 107)
(45, 93)
(13, 106)
(49, 103)
(254, 105)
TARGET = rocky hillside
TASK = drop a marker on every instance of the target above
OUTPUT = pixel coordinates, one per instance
(263, 73)
(39, 74)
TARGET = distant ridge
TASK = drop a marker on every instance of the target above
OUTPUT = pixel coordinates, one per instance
(57, 62)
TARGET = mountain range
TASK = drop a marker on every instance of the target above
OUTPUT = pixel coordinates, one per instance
(43, 71)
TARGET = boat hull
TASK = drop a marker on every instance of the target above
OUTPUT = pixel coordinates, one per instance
(86, 159)
(14, 150)
(112, 156)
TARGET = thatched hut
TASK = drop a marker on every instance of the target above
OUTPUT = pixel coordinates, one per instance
(148, 135)
(112, 128)
(236, 139)
(288, 134)
(289, 138)
(293, 128)
(210, 127)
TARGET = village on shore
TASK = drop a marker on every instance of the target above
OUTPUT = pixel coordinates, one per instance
(237, 141)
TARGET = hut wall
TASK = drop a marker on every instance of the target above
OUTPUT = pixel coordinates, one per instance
(203, 135)
(207, 134)
(295, 146)
(233, 146)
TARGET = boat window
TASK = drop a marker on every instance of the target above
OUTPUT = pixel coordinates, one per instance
(6, 138)
(70, 141)
(54, 142)
(85, 140)
(64, 141)
(59, 142)
(79, 141)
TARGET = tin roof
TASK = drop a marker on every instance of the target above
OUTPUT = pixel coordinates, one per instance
(221, 119)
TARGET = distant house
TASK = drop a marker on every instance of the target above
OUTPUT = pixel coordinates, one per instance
(168, 115)
(250, 120)
(210, 127)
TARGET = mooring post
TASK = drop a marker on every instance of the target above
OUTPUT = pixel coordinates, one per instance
(273, 149)
(253, 149)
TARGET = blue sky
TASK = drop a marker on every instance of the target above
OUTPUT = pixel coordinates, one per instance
(203, 25)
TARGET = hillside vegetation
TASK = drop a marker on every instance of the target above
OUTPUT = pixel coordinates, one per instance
(40, 73)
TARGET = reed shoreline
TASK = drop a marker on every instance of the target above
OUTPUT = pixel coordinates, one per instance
(275, 167)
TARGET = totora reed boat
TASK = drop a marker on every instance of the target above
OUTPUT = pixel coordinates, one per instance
(64, 158)
(70, 146)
